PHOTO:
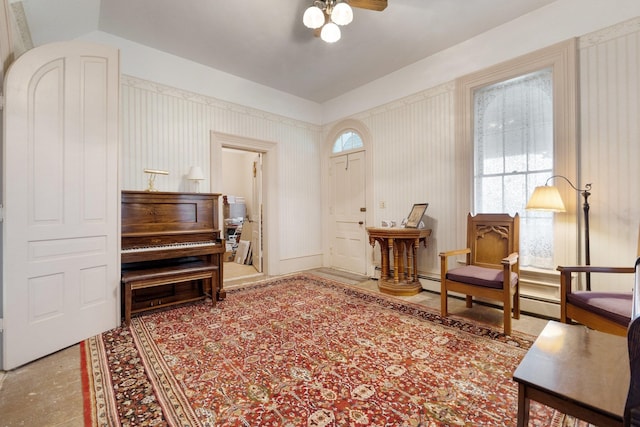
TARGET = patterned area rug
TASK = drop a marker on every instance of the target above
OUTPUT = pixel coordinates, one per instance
(304, 351)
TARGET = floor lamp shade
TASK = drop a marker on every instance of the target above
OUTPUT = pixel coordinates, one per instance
(546, 198)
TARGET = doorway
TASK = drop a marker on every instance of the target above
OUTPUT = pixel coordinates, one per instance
(267, 190)
(241, 189)
(348, 197)
(348, 203)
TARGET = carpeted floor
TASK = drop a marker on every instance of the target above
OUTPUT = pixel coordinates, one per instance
(304, 350)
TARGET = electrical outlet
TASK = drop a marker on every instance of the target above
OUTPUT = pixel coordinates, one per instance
(382, 205)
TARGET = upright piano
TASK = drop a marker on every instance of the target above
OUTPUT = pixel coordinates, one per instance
(171, 249)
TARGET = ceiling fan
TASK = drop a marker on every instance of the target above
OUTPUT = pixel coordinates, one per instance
(324, 16)
(378, 5)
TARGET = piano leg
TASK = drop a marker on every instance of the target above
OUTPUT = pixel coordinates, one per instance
(221, 293)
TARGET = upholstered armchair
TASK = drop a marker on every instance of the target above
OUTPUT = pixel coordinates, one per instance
(632, 405)
(491, 269)
(606, 311)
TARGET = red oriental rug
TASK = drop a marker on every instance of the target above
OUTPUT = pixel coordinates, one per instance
(304, 351)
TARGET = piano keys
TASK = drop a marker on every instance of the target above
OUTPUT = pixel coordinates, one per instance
(165, 235)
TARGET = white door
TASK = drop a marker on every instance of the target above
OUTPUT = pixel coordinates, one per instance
(256, 215)
(348, 209)
(61, 261)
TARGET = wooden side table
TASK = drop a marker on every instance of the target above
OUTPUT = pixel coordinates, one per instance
(578, 371)
(404, 242)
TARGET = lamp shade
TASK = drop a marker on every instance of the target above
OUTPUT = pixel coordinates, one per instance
(195, 173)
(546, 198)
(313, 17)
(342, 14)
(330, 33)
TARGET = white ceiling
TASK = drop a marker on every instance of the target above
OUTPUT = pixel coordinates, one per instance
(266, 42)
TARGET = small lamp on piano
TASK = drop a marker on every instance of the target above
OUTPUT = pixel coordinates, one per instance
(152, 177)
(196, 175)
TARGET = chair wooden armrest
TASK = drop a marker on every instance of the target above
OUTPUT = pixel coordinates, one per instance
(447, 254)
(566, 271)
(444, 258)
(594, 269)
(511, 259)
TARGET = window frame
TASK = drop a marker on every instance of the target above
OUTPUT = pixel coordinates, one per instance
(348, 150)
(562, 59)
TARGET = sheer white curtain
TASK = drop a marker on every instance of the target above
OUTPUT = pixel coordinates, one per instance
(513, 153)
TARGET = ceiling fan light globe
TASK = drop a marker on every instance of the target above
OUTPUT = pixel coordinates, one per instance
(342, 14)
(330, 33)
(313, 17)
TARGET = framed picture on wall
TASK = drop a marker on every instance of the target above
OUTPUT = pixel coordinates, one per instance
(416, 214)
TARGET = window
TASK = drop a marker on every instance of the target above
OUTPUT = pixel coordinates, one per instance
(513, 153)
(348, 140)
(518, 126)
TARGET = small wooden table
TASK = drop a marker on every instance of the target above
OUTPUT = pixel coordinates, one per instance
(404, 242)
(578, 371)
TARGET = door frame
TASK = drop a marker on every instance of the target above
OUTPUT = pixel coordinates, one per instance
(270, 211)
(328, 224)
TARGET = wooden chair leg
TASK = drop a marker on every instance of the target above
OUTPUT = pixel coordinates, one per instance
(444, 309)
(516, 303)
(507, 316)
(469, 301)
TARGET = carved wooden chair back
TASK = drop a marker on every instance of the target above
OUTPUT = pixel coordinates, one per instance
(492, 237)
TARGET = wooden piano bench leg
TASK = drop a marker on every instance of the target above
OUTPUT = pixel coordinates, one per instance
(127, 303)
(214, 287)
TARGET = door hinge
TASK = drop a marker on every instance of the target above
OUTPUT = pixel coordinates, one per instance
(1, 101)
(1, 213)
(1, 325)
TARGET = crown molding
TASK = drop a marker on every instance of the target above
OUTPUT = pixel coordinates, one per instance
(610, 33)
(161, 89)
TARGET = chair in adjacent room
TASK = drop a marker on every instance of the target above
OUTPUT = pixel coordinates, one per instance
(491, 269)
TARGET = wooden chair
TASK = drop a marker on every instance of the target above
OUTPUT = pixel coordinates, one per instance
(606, 311)
(492, 269)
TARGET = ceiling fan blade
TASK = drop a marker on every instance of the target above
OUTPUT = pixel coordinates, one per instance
(378, 5)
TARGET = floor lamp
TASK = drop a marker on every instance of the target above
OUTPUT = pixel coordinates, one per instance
(547, 198)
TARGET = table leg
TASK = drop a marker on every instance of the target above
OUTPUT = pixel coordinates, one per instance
(523, 406)
(415, 259)
(396, 260)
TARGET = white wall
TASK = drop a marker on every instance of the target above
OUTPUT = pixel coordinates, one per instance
(551, 24)
(237, 176)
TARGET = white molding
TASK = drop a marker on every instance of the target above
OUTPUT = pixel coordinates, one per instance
(447, 87)
(610, 33)
(160, 88)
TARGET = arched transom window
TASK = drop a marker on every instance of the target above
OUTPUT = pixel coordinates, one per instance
(348, 140)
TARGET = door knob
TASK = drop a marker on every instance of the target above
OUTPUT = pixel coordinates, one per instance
(360, 222)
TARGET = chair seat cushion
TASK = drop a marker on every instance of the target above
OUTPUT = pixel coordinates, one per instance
(480, 276)
(615, 306)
